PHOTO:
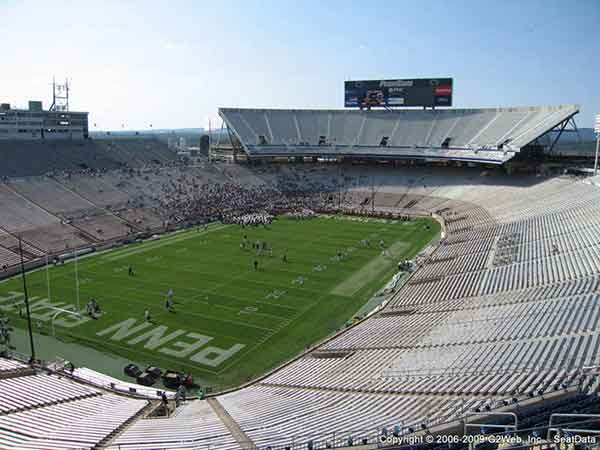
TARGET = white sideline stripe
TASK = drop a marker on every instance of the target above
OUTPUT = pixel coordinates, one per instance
(146, 247)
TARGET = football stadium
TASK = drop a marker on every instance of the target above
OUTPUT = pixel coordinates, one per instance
(398, 274)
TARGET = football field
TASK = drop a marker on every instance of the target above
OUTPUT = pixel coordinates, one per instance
(229, 321)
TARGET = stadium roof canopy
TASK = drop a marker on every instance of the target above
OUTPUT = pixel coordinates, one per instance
(477, 135)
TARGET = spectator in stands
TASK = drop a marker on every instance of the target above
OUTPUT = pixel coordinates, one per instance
(180, 395)
(164, 402)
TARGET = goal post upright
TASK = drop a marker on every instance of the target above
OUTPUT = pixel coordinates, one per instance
(77, 281)
(29, 327)
(48, 278)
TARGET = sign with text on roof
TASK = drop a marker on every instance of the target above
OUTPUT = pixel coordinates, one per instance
(393, 93)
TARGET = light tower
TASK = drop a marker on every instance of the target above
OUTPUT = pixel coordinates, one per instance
(60, 96)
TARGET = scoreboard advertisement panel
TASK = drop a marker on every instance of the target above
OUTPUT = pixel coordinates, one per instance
(394, 93)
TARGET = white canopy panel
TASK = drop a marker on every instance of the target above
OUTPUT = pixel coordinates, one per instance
(492, 135)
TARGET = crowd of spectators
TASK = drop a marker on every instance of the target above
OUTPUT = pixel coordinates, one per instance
(67, 174)
(227, 202)
(180, 193)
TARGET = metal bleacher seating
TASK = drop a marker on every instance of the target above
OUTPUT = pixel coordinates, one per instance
(504, 307)
(9, 365)
(43, 411)
(483, 135)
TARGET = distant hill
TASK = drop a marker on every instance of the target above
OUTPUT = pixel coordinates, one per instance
(149, 132)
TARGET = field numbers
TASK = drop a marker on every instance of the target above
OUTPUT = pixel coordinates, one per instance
(277, 293)
(248, 310)
(337, 258)
(299, 280)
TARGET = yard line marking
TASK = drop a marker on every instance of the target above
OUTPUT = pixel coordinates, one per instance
(188, 313)
(165, 314)
(193, 300)
(248, 284)
(159, 297)
(198, 290)
(262, 341)
(92, 260)
(202, 292)
(153, 245)
(296, 273)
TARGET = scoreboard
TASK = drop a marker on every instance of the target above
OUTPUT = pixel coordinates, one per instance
(397, 93)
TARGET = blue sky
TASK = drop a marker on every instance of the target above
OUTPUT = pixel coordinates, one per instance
(172, 64)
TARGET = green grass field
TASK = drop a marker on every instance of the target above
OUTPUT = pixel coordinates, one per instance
(230, 322)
